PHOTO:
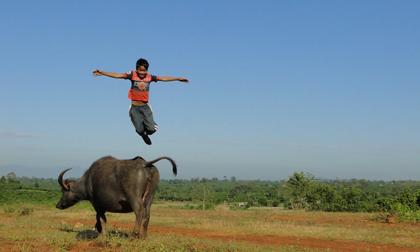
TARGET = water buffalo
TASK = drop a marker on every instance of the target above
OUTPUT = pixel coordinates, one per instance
(117, 186)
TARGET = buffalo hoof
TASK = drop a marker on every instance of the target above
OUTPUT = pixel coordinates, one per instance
(136, 235)
(98, 227)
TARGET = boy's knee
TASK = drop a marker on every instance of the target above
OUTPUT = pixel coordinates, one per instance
(140, 132)
(150, 132)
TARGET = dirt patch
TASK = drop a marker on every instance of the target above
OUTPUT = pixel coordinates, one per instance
(92, 246)
(339, 219)
(274, 240)
(306, 242)
(7, 246)
(84, 223)
(24, 246)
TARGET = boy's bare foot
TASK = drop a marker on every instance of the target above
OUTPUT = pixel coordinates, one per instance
(146, 139)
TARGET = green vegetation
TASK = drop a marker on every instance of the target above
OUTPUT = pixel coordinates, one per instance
(398, 198)
(24, 190)
(300, 191)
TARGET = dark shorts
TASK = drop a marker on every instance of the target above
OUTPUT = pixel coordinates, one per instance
(142, 119)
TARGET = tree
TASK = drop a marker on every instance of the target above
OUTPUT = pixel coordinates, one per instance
(11, 177)
(297, 189)
(240, 193)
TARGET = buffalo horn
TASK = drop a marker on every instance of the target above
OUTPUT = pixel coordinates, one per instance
(61, 181)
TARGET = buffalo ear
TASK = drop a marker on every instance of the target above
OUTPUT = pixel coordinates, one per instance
(67, 184)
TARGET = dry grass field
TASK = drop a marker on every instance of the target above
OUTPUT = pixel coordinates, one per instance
(43, 228)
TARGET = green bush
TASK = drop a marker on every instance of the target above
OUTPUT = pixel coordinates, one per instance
(9, 209)
(303, 191)
(405, 206)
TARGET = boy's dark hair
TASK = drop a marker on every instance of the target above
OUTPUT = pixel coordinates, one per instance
(142, 62)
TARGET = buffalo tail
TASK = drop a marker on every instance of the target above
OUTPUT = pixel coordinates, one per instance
(150, 163)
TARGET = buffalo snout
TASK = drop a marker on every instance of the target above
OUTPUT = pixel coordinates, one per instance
(59, 206)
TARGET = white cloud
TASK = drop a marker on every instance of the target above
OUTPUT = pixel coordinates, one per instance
(14, 134)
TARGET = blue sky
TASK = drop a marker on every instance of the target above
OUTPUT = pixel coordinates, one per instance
(326, 87)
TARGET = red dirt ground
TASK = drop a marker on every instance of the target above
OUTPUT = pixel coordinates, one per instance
(264, 240)
(272, 240)
(27, 246)
(267, 240)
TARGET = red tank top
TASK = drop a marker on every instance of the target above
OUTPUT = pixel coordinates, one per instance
(139, 90)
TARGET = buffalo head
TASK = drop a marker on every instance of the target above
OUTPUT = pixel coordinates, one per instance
(70, 195)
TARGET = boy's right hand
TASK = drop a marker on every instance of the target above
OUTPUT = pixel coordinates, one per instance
(97, 72)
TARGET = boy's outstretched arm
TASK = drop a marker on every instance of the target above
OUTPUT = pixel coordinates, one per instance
(168, 78)
(97, 72)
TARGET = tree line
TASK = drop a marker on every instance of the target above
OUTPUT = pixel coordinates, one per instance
(299, 191)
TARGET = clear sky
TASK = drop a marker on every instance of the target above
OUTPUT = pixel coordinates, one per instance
(326, 87)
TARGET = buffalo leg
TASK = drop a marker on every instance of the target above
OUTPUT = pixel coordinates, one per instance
(100, 216)
(138, 209)
(147, 201)
(152, 182)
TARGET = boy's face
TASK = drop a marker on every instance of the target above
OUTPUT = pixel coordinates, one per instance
(141, 71)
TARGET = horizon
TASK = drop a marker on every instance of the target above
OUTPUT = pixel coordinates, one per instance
(235, 178)
(331, 89)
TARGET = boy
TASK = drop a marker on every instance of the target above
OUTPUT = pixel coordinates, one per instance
(140, 113)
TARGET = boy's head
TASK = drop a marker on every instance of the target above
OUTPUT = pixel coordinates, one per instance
(141, 67)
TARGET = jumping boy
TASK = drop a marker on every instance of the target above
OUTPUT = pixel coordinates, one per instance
(140, 113)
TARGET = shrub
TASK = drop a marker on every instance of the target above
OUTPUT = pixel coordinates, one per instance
(404, 206)
(9, 209)
(239, 206)
(26, 211)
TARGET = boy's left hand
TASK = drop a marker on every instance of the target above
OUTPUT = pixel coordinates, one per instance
(183, 79)
(96, 72)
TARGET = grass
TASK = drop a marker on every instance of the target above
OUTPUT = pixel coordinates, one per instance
(172, 228)
(321, 225)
